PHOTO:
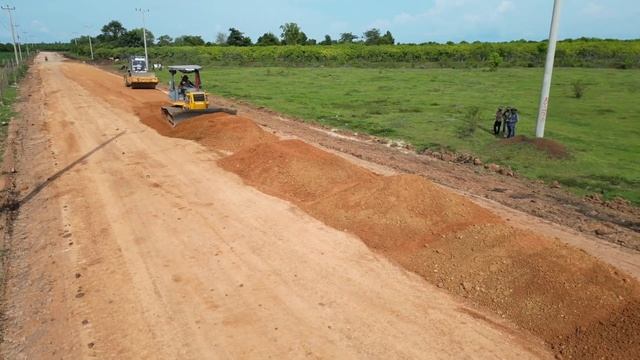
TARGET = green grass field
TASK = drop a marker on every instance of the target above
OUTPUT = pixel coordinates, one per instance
(5, 56)
(429, 107)
(6, 112)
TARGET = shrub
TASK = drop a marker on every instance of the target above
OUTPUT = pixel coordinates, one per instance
(469, 123)
(578, 87)
(494, 61)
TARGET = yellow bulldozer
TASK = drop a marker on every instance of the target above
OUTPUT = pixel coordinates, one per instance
(187, 97)
(137, 75)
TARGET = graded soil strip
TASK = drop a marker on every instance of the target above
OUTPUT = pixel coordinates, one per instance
(557, 292)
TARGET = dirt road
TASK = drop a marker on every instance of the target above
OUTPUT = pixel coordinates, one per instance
(128, 244)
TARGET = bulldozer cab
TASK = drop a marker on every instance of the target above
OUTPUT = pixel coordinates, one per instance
(183, 92)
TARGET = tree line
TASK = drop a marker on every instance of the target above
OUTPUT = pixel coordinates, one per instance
(292, 47)
(621, 54)
(114, 34)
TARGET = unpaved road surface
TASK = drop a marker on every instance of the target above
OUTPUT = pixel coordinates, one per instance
(126, 244)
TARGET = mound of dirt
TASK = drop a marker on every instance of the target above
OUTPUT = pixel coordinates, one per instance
(581, 307)
(219, 131)
(294, 170)
(574, 302)
(552, 148)
(399, 212)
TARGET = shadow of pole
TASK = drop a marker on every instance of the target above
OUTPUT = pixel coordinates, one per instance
(17, 204)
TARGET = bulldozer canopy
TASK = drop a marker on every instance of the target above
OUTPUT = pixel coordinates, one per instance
(185, 69)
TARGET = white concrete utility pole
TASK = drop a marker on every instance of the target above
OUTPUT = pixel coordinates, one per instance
(90, 44)
(548, 70)
(19, 45)
(13, 33)
(27, 43)
(144, 36)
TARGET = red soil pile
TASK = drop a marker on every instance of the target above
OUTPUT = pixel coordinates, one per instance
(583, 308)
(399, 212)
(219, 131)
(552, 148)
(294, 170)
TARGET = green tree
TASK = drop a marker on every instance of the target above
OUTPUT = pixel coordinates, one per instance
(237, 38)
(347, 38)
(112, 31)
(134, 38)
(221, 38)
(372, 37)
(268, 39)
(189, 40)
(292, 34)
(327, 40)
(165, 40)
(387, 39)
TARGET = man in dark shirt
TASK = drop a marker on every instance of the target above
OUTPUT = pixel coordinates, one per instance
(505, 118)
(498, 123)
(184, 84)
(511, 123)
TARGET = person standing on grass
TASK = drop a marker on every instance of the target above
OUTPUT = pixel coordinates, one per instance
(506, 114)
(511, 123)
(498, 123)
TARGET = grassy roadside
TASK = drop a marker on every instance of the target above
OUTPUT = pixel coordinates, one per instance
(429, 108)
(6, 112)
(9, 96)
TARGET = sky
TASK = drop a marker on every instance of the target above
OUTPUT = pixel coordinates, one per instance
(410, 21)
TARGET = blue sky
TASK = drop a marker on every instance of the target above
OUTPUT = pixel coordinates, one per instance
(408, 20)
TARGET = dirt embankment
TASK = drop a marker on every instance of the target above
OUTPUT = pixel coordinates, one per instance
(552, 148)
(581, 307)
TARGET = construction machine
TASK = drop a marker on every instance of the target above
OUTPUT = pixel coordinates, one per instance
(137, 75)
(187, 97)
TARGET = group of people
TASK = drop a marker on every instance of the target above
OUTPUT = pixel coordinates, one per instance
(506, 119)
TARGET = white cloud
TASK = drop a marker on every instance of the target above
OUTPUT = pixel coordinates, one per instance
(404, 18)
(39, 26)
(504, 7)
(594, 9)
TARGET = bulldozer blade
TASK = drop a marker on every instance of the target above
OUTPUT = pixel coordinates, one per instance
(176, 115)
(144, 85)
